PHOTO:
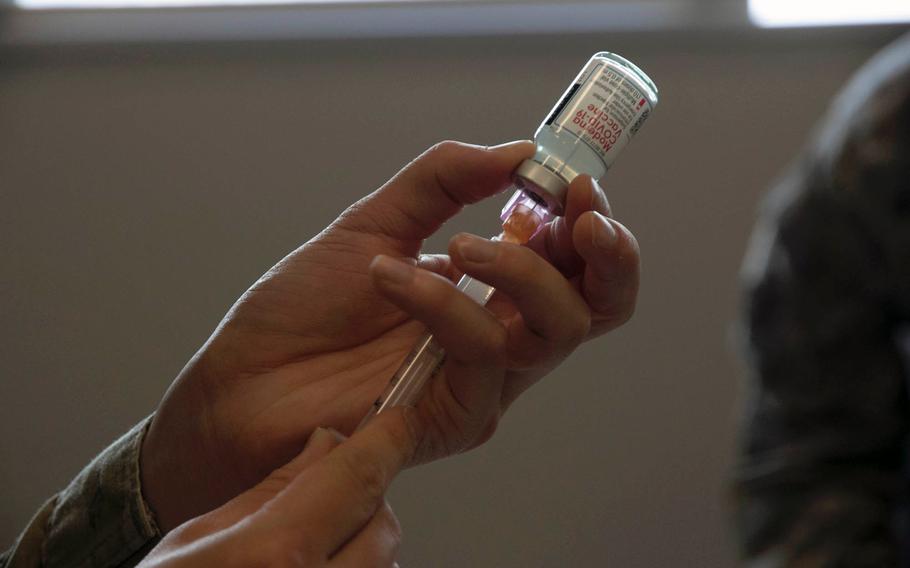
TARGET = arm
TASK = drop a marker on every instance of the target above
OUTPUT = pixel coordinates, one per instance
(316, 339)
(99, 519)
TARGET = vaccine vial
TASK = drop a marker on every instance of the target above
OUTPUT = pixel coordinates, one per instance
(589, 126)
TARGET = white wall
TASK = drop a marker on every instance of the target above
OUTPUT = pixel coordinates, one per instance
(142, 189)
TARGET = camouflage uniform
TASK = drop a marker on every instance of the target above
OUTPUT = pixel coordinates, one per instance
(99, 520)
(822, 479)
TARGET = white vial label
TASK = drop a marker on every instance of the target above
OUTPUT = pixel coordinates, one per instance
(603, 109)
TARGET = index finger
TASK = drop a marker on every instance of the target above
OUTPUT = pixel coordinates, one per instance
(610, 280)
(328, 503)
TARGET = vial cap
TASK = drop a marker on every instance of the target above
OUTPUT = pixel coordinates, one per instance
(544, 183)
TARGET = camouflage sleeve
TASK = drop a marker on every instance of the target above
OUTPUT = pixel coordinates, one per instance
(99, 520)
(821, 480)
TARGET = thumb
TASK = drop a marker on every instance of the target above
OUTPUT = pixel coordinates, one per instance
(435, 186)
(332, 499)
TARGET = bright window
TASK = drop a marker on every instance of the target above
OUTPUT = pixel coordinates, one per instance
(796, 13)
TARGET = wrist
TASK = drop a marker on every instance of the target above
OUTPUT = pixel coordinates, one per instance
(173, 465)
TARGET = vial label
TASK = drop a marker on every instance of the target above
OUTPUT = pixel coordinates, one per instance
(603, 109)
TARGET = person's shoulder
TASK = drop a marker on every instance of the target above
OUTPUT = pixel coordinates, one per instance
(852, 173)
(859, 157)
(867, 126)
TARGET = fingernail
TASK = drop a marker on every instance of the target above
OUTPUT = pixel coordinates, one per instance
(315, 436)
(601, 196)
(392, 270)
(510, 144)
(322, 440)
(595, 187)
(475, 249)
(605, 235)
(335, 434)
(599, 201)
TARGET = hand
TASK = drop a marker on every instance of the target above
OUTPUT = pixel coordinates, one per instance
(324, 508)
(316, 339)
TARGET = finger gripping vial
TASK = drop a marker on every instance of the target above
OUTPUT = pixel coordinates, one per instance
(585, 131)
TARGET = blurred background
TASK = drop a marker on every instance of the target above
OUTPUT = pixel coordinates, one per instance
(154, 162)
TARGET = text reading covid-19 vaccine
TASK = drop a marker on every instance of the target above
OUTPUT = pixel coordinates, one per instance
(590, 125)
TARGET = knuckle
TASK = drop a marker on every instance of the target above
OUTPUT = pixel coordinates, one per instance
(438, 293)
(489, 429)
(580, 328)
(443, 150)
(489, 345)
(616, 314)
(497, 343)
(523, 359)
(369, 215)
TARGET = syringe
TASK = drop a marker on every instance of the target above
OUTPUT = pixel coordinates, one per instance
(522, 217)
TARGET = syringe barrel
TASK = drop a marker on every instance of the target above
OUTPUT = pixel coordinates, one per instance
(423, 361)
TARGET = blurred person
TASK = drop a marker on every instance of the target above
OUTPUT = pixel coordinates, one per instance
(310, 345)
(823, 479)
